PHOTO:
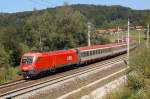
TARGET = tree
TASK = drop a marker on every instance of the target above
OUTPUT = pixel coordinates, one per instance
(4, 57)
(64, 29)
(72, 25)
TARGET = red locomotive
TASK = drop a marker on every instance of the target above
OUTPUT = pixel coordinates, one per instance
(36, 62)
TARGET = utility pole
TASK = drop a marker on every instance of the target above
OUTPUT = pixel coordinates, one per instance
(89, 34)
(128, 42)
(122, 36)
(139, 37)
(147, 36)
(40, 43)
(118, 33)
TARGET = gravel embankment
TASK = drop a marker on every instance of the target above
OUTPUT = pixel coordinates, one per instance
(62, 88)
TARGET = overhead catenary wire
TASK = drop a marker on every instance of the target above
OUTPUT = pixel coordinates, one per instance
(38, 2)
(47, 2)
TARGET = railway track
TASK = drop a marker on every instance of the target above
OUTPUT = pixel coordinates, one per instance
(8, 84)
(22, 87)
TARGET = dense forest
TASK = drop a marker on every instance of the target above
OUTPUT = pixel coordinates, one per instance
(58, 28)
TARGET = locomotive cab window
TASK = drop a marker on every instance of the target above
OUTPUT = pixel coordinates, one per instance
(27, 60)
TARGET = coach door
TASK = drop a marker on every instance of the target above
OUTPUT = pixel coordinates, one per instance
(53, 63)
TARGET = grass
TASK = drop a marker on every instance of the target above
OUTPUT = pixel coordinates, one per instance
(7, 74)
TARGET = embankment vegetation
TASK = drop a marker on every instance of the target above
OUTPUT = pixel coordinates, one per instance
(138, 77)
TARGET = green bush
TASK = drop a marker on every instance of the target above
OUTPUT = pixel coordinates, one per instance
(7, 74)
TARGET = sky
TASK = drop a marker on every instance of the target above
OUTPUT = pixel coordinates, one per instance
(12, 6)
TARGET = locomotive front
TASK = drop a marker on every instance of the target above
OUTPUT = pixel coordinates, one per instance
(27, 65)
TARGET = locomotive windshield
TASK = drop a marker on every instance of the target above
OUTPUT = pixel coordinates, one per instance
(27, 60)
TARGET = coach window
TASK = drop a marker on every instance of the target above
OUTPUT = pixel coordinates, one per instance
(100, 51)
(97, 51)
(94, 52)
(103, 51)
(109, 49)
(90, 52)
(87, 53)
(83, 54)
(106, 50)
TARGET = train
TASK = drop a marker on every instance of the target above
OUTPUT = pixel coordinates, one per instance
(34, 63)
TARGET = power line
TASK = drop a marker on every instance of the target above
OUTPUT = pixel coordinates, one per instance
(47, 2)
(36, 2)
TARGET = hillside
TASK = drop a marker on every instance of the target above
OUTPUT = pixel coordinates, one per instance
(101, 16)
